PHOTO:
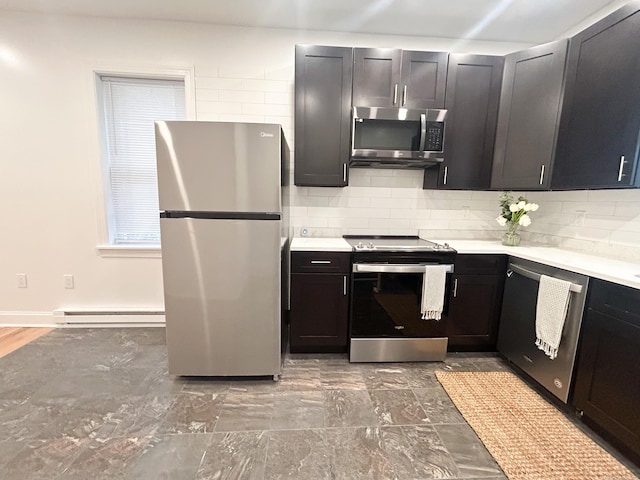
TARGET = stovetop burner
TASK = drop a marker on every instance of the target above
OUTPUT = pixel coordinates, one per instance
(394, 243)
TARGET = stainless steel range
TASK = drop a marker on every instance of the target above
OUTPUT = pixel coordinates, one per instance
(385, 321)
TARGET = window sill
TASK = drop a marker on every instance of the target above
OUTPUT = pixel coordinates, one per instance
(130, 251)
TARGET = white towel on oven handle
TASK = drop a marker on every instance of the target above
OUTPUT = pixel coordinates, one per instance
(433, 287)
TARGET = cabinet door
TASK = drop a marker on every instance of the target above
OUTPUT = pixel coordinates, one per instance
(323, 77)
(319, 311)
(473, 94)
(607, 387)
(376, 77)
(474, 311)
(528, 117)
(423, 77)
(598, 135)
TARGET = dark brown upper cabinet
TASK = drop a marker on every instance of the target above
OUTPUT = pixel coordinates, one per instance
(323, 78)
(472, 98)
(598, 138)
(385, 77)
(528, 117)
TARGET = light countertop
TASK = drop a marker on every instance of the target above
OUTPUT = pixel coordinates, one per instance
(319, 244)
(612, 270)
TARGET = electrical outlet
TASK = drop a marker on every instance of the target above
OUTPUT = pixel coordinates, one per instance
(581, 215)
(22, 280)
(68, 280)
(465, 211)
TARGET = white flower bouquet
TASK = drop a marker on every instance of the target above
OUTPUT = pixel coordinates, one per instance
(514, 214)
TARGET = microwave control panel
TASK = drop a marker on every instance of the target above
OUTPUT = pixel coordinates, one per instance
(435, 135)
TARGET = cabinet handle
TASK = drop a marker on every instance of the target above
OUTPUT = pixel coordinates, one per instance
(455, 287)
(446, 173)
(542, 174)
(344, 285)
(321, 261)
(395, 94)
(620, 174)
(344, 172)
(404, 95)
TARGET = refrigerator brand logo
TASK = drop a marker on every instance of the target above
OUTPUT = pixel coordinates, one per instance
(265, 134)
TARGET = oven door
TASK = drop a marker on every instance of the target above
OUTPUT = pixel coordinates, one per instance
(385, 302)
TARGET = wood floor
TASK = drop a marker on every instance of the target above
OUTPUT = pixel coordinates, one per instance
(12, 338)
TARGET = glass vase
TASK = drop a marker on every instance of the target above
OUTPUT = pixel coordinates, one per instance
(511, 236)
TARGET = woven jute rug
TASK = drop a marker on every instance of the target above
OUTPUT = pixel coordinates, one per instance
(529, 438)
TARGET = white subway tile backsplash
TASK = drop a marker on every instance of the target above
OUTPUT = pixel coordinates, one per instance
(208, 95)
(343, 222)
(390, 223)
(279, 98)
(241, 96)
(218, 107)
(284, 72)
(370, 192)
(215, 83)
(358, 202)
(392, 201)
(628, 210)
(267, 85)
(235, 117)
(248, 70)
(265, 109)
(359, 180)
(323, 212)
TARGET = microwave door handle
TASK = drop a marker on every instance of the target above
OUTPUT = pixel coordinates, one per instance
(423, 130)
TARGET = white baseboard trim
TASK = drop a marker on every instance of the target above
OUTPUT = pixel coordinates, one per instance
(76, 318)
(113, 317)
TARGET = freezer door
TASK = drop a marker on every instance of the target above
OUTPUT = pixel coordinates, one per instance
(222, 296)
(218, 166)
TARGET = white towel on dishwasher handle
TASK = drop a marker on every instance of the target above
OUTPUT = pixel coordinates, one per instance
(551, 311)
(433, 286)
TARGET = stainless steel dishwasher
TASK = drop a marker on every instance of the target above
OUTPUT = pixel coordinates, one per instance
(517, 332)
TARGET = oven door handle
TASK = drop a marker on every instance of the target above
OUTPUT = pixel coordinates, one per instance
(395, 268)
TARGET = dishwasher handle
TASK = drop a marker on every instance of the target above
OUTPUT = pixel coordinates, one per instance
(394, 268)
(536, 276)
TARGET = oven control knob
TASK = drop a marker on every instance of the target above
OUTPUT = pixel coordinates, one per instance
(360, 245)
(370, 245)
(446, 245)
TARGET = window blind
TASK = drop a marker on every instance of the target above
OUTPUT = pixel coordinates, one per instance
(131, 106)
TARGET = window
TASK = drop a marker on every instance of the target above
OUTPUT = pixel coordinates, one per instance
(130, 106)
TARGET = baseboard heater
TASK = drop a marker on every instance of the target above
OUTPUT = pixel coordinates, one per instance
(95, 318)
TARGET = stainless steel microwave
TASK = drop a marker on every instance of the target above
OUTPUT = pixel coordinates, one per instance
(397, 137)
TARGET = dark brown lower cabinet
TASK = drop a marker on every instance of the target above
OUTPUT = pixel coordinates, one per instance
(607, 386)
(319, 302)
(475, 302)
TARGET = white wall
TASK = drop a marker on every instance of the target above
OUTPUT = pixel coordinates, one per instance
(50, 166)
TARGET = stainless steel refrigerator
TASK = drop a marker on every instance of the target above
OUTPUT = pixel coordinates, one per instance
(224, 241)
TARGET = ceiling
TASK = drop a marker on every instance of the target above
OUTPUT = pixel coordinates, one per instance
(525, 21)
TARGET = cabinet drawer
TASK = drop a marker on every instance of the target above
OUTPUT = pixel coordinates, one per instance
(320, 262)
(480, 264)
(617, 300)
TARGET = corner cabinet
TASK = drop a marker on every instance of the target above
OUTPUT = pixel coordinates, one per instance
(472, 98)
(598, 138)
(607, 385)
(528, 118)
(319, 301)
(323, 78)
(384, 77)
(475, 302)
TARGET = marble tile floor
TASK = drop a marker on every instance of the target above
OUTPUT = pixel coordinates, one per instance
(100, 404)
